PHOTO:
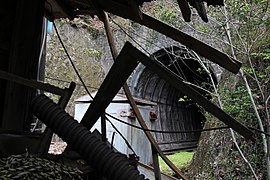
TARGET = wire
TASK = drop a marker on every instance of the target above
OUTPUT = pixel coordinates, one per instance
(182, 132)
(126, 141)
(70, 60)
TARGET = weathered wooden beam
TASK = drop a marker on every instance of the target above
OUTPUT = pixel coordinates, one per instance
(198, 46)
(47, 135)
(31, 83)
(64, 94)
(173, 79)
(116, 77)
(149, 135)
(156, 164)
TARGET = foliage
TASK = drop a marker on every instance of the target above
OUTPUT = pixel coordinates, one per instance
(164, 11)
(264, 55)
(179, 159)
(85, 56)
(237, 104)
(26, 166)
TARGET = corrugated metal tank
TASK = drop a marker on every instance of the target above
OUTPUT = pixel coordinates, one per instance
(121, 109)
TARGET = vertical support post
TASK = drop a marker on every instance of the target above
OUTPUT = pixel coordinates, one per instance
(103, 127)
(156, 164)
(47, 135)
(23, 61)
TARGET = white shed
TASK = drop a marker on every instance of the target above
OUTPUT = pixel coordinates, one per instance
(120, 108)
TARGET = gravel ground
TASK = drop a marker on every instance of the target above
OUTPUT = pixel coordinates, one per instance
(57, 147)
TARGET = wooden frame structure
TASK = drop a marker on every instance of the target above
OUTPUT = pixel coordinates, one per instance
(42, 143)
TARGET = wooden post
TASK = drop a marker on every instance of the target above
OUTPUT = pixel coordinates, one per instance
(103, 127)
(23, 61)
(156, 164)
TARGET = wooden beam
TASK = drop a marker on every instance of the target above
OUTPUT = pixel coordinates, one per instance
(116, 77)
(156, 164)
(198, 46)
(64, 94)
(31, 83)
(185, 9)
(173, 79)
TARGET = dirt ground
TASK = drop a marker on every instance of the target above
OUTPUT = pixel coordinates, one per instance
(57, 147)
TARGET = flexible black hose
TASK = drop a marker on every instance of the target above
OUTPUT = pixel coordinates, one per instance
(111, 165)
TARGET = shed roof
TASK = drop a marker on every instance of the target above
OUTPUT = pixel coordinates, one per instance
(119, 98)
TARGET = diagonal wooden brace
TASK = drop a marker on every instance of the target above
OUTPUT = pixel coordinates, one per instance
(120, 71)
(173, 79)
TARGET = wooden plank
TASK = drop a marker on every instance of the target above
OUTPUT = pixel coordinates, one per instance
(156, 164)
(116, 77)
(31, 83)
(179, 84)
(198, 46)
(64, 94)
